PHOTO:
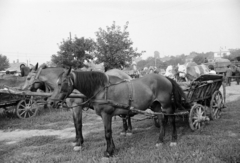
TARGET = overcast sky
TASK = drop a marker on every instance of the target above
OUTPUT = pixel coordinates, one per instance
(31, 29)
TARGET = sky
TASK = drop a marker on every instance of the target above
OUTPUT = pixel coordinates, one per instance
(31, 30)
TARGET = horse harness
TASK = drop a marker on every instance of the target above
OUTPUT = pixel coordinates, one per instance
(111, 102)
(89, 102)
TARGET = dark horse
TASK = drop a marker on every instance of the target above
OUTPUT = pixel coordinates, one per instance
(45, 78)
(111, 96)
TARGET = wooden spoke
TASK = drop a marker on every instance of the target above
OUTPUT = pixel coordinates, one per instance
(216, 105)
(27, 108)
(196, 117)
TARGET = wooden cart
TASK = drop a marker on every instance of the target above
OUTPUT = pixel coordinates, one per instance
(205, 98)
(25, 103)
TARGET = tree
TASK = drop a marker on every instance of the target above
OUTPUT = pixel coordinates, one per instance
(234, 55)
(199, 59)
(114, 48)
(50, 64)
(4, 62)
(74, 52)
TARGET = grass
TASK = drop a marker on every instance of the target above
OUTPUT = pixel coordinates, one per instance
(218, 141)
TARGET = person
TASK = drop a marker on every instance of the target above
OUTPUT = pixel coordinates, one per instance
(205, 60)
(212, 71)
(237, 74)
(228, 75)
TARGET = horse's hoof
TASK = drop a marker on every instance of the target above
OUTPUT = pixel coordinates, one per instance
(123, 133)
(129, 134)
(77, 148)
(159, 144)
(106, 155)
(173, 144)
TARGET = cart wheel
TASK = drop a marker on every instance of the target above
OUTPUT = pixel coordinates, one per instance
(27, 108)
(216, 105)
(197, 117)
(156, 122)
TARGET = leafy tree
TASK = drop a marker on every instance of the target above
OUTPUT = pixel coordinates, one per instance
(199, 59)
(180, 59)
(4, 62)
(114, 48)
(74, 52)
(141, 64)
(50, 64)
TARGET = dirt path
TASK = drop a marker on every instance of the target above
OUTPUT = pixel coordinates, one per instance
(10, 137)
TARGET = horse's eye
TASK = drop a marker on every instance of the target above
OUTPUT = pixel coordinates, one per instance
(28, 78)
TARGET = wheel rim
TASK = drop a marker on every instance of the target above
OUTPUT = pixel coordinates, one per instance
(197, 115)
(216, 105)
(26, 109)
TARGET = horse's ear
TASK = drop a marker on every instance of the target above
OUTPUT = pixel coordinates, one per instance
(36, 67)
(69, 70)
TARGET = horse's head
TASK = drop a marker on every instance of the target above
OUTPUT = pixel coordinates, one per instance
(37, 85)
(30, 78)
(65, 86)
(169, 71)
(182, 69)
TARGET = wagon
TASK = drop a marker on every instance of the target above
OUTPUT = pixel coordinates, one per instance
(205, 98)
(24, 104)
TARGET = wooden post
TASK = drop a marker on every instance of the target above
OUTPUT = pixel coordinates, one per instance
(224, 87)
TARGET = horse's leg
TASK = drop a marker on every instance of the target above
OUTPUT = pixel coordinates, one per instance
(156, 107)
(77, 117)
(107, 120)
(125, 125)
(129, 131)
(162, 123)
(174, 132)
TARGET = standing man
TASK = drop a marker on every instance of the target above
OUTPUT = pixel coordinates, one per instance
(228, 75)
(237, 74)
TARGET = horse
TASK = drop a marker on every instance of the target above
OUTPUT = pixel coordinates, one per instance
(110, 95)
(45, 78)
(191, 73)
(169, 72)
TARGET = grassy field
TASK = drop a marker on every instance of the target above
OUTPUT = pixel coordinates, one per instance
(218, 141)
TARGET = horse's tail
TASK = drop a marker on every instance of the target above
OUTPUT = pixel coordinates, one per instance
(178, 94)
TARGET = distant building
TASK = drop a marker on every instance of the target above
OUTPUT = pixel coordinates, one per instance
(222, 52)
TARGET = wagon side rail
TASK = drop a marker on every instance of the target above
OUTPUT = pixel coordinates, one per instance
(201, 90)
(29, 93)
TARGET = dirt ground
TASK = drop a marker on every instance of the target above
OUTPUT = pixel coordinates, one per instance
(10, 137)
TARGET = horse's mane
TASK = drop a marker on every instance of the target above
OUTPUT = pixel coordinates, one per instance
(89, 81)
(178, 95)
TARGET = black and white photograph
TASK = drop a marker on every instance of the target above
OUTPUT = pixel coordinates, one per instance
(119, 81)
